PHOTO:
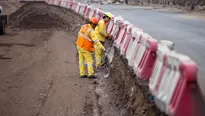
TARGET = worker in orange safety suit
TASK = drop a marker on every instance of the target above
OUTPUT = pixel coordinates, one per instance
(101, 33)
(85, 46)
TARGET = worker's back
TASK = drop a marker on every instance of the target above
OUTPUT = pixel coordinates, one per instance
(100, 29)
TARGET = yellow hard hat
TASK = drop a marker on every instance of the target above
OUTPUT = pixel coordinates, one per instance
(108, 14)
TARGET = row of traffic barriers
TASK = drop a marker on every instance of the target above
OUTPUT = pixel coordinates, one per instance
(172, 76)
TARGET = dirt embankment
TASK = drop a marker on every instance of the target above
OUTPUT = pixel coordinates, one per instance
(37, 15)
(120, 93)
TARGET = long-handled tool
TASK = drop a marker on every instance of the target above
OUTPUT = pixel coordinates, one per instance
(109, 51)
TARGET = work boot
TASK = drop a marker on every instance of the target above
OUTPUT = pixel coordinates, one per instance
(83, 76)
(92, 77)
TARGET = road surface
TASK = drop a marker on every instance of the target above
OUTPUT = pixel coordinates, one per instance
(186, 31)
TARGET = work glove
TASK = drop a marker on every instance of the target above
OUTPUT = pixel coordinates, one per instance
(103, 49)
(97, 42)
(110, 36)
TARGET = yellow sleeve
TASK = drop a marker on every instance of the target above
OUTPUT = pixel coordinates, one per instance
(96, 41)
(102, 29)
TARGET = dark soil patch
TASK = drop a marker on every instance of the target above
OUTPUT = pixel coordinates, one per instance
(125, 96)
(39, 15)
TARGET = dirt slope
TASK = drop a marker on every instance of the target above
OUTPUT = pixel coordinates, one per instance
(120, 93)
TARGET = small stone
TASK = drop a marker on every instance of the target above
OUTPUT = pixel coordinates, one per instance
(95, 82)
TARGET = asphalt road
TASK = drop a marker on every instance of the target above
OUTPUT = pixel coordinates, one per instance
(188, 33)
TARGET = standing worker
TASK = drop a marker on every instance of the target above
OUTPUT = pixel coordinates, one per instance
(85, 46)
(101, 33)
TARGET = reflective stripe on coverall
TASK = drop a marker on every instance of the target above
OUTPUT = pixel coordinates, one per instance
(101, 34)
(86, 41)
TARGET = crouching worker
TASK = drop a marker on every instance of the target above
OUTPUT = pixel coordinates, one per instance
(85, 46)
(102, 34)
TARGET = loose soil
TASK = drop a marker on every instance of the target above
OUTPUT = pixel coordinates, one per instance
(40, 76)
(119, 91)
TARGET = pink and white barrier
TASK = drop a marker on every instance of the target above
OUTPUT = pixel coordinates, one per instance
(171, 75)
(69, 4)
(87, 12)
(127, 39)
(73, 6)
(137, 56)
(99, 13)
(110, 25)
(144, 67)
(158, 69)
(115, 29)
(82, 8)
(171, 84)
(122, 32)
(77, 8)
(63, 4)
(56, 2)
(133, 46)
(51, 2)
(92, 12)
